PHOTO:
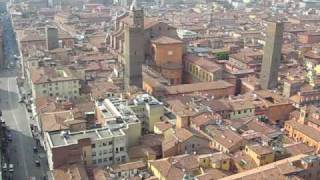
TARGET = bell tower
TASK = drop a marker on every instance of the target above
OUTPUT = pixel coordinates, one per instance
(137, 14)
(134, 54)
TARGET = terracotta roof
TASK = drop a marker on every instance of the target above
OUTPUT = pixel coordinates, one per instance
(203, 62)
(310, 33)
(224, 136)
(196, 87)
(180, 108)
(62, 120)
(204, 118)
(304, 129)
(271, 98)
(64, 36)
(45, 104)
(213, 174)
(163, 126)
(129, 166)
(276, 170)
(35, 35)
(31, 35)
(261, 150)
(179, 135)
(99, 88)
(298, 148)
(71, 172)
(241, 104)
(45, 75)
(248, 57)
(215, 157)
(218, 105)
(183, 134)
(138, 152)
(54, 121)
(259, 126)
(100, 174)
(312, 55)
(173, 168)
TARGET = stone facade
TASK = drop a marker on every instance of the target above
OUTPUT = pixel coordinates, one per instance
(272, 56)
(133, 53)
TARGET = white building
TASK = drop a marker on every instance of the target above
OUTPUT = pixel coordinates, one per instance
(149, 111)
(97, 147)
(184, 34)
(114, 113)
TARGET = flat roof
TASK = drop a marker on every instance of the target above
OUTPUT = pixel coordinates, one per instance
(64, 138)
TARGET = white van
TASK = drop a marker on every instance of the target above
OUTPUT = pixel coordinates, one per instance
(11, 168)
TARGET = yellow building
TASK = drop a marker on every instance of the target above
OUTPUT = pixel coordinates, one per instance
(162, 127)
(54, 82)
(306, 128)
(202, 69)
(174, 168)
(260, 154)
(224, 140)
(241, 109)
(218, 160)
(181, 141)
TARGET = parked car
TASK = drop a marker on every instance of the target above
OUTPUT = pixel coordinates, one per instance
(21, 100)
(2, 120)
(9, 135)
(4, 167)
(37, 163)
(29, 109)
(11, 168)
(10, 139)
(35, 149)
(11, 64)
(16, 57)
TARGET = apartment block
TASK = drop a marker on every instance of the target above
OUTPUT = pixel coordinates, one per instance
(58, 82)
(149, 111)
(97, 147)
(114, 113)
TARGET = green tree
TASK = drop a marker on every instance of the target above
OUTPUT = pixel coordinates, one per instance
(222, 56)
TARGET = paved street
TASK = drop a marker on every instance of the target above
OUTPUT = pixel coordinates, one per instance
(20, 150)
